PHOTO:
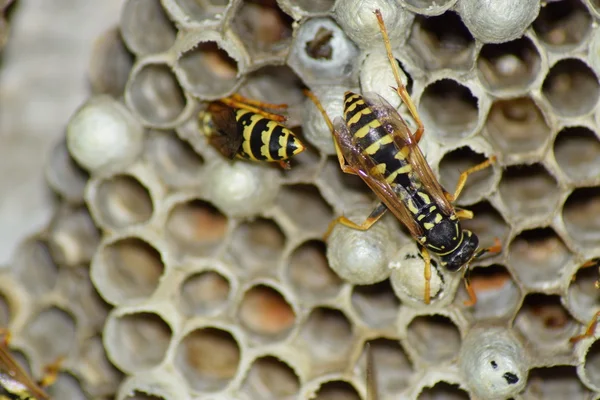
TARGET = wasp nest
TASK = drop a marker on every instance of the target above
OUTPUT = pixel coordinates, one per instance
(220, 282)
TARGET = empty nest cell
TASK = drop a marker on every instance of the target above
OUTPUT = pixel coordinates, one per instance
(137, 341)
(336, 389)
(592, 365)
(64, 175)
(146, 28)
(538, 257)
(546, 323)
(315, 213)
(272, 378)
(110, 64)
(581, 215)
(442, 41)
(450, 108)
(204, 293)
(509, 67)
(571, 87)
(529, 191)
(196, 10)
(195, 228)
(563, 24)
(208, 358)
(34, 268)
(258, 246)
(127, 270)
(51, 333)
(376, 305)
(577, 152)
(555, 383)
(155, 95)
(517, 126)
(121, 201)
(309, 273)
(266, 314)
(393, 368)
(434, 338)
(583, 295)
(443, 390)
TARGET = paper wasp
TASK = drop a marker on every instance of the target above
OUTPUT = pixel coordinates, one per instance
(590, 329)
(15, 383)
(240, 127)
(374, 142)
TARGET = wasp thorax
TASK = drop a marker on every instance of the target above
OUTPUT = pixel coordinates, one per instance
(462, 253)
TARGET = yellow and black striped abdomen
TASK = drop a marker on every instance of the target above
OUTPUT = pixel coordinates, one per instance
(264, 139)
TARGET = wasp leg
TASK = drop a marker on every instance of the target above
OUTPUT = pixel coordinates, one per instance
(257, 103)
(401, 89)
(465, 174)
(284, 164)
(237, 104)
(343, 165)
(375, 215)
(427, 273)
(472, 295)
(461, 213)
(590, 330)
(51, 372)
(6, 335)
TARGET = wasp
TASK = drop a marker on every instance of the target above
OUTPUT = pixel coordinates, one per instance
(374, 142)
(240, 127)
(15, 383)
(590, 329)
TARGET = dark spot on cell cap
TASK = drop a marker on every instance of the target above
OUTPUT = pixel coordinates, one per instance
(493, 364)
(511, 378)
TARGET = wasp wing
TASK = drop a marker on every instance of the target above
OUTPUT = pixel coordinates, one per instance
(14, 372)
(395, 125)
(226, 137)
(365, 168)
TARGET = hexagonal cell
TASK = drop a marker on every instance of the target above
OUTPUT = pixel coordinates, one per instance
(138, 395)
(146, 28)
(128, 269)
(196, 228)
(327, 335)
(592, 364)
(581, 214)
(435, 338)
(377, 305)
(450, 108)
(72, 237)
(137, 341)
(204, 293)
(487, 224)
(563, 24)
(155, 95)
(34, 267)
(277, 84)
(101, 376)
(510, 66)
(529, 191)
(442, 41)
(309, 273)
(208, 358)
(336, 390)
(306, 207)
(577, 152)
(264, 28)
(516, 126)
(555, 383)
(110, 64)
(538, 257)
(258, 246)
(208, 70)
(443, 390)
(393, 368)
(173, 159)
(266, 313)
(582, 295)
(478, 183)
(271, 378)
(498, 294)
(546, 324)
(322, 53)
(200, 11)
(64, 175)
(571, 87)
(121, 201)
(51, 332)
(67, 386)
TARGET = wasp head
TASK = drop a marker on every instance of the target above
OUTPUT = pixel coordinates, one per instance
(463, 253)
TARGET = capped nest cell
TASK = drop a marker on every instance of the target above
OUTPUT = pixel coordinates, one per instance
(213, 276)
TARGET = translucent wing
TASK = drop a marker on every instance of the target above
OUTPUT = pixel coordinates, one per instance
(226, 138)
(9, 369)
(364, 167)
(393, 123)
